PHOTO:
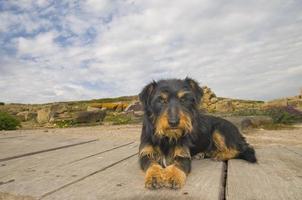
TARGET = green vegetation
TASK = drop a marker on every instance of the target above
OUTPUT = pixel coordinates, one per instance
(280, 115)
(285, 115)
(65, 123)
(2, 103)
(276, 126)
(249, 112)
(8, 122)
(111, 100)
(117, 119)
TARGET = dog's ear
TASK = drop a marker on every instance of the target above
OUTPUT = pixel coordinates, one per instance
(146, 94)
(194, 86)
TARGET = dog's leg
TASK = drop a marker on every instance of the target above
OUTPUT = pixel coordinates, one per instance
(222, 151)
(175, 174)
(148, 158)
(235, 148)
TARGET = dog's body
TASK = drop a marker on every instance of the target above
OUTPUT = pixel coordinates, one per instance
(174, 130)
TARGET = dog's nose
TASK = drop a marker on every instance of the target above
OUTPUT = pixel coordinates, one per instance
(173, 122)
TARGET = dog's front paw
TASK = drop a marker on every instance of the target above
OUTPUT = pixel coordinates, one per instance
(199, 156)
(154, 177)
(174, 177)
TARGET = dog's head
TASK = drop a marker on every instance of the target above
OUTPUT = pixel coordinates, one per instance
(170, 104)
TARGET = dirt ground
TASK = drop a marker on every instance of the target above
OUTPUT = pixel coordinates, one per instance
(287, 137)
(256, 137)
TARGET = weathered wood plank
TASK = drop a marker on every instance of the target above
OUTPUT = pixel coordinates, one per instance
(45, 150)
(35, 143)
(297, 150)
(10, 137)
(126, 181)
(44, 177)
(277, 176)
(53, 159)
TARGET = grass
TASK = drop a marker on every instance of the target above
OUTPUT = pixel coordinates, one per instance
(280, 115)
(118, 119)
(111, 100)
(249, 112)
(121, 118)
(275, 126)
(65, 123)
(111, 105)
(285, 115)
(8, 122)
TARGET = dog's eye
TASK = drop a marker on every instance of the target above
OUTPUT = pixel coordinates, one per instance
(187, 99)
(183, 99)
(162, 100)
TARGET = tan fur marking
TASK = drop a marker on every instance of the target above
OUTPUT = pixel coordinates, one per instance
(222, 152)
(154, 177)
(164, 96)
(174, 177)
(183, 152)
(163, 128)
(185, 122)
(182, 93)
(150, 152)
(162, 124)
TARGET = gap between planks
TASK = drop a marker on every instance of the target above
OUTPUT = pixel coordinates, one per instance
(46, 150)
(224, 177)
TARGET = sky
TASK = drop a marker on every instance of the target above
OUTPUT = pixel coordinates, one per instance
(60, 50)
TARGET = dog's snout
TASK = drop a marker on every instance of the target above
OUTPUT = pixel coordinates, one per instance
(174, 122)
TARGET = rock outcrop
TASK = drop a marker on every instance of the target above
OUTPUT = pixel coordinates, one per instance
(135, 106)
(93, 111)
(44, 115)
(26, 116)
(90, 116)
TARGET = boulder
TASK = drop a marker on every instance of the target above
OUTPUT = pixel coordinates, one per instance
(44, 115)
(90, 116)
(26, 115)
(135, 106)
(255, 121)
(90, 108)
(224, 106)
(119, 107)
(138, 113)
(214, 100)
(59, 108)
(246, 122)
(208, 94)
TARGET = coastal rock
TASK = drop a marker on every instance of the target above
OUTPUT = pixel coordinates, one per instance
(90, 116)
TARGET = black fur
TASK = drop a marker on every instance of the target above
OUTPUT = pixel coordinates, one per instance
(200, 138)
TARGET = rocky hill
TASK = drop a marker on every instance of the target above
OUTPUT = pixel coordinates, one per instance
(126, 109)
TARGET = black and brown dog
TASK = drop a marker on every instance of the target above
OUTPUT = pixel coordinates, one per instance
(174, 130)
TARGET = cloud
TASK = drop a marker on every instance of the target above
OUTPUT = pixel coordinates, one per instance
(69, 50)
(42, 45)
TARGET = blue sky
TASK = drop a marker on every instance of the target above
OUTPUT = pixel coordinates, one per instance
(71, 50)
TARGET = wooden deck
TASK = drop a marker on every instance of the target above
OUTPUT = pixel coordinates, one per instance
(46, 165)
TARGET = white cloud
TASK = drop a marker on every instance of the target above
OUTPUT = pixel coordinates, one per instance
(247, 50)
(42, 45)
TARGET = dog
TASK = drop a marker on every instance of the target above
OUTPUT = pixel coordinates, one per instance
(174, 130)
